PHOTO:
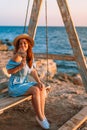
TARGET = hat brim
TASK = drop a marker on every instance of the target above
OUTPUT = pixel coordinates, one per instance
(23, 36)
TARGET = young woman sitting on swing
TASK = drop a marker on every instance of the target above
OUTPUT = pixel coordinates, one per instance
(19, 66)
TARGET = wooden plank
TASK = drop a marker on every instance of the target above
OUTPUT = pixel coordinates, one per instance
(3, 85)
(3, 95)
(8, 102)
(34, 17)
(54, 57)
(74, 40)
(3, 92)
(4, 99)
(76, 121)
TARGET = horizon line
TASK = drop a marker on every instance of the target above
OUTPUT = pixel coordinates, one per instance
(41, 26)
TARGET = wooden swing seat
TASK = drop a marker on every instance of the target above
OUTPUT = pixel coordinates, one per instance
(7, 102)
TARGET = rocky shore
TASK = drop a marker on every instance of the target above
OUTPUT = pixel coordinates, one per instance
(67, 97)
(4, 45)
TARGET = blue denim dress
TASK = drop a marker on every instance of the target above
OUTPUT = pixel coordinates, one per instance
(19, 82)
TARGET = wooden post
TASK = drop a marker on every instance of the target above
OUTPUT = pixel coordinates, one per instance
(74, 40)
(76, 121)
(34, 17)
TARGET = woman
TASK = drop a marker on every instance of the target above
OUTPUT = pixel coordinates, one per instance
(19, 66)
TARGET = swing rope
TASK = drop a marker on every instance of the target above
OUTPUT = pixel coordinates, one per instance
(25, 22)
(46, 20)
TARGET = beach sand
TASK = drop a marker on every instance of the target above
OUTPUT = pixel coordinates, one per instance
(66, 98)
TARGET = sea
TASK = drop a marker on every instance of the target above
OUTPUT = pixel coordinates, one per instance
(58, 43)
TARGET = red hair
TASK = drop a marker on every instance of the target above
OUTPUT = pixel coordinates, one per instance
(30, 54)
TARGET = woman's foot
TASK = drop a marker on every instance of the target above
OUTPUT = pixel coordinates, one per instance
(44, 123)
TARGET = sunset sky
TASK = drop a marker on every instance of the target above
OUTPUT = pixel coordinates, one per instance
(13, 12)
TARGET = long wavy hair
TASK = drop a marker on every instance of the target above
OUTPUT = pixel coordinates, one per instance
(30, 55)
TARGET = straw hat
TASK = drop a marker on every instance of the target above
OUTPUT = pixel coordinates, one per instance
(23, 36)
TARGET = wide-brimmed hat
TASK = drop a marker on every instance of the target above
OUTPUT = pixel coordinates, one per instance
(23, 36)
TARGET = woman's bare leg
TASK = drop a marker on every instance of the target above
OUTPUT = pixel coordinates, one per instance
(42, 100)
(36, 100)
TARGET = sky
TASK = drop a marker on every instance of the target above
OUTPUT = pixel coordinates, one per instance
(13, 12)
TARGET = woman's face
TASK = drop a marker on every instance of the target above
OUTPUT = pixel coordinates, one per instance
(23, 43)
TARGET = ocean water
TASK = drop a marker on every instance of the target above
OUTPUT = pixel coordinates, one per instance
(58, 43)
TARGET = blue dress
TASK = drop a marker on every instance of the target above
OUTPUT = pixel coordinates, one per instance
(19, 82)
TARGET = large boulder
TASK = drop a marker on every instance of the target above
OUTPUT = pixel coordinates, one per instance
(41, 66)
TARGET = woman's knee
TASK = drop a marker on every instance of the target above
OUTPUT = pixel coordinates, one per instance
(36, 91)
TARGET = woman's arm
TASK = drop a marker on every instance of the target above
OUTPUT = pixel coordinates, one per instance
(20, 56)
(14, 70)
(18, 68)
(36, 77)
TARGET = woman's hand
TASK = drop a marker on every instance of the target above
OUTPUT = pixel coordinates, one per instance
(40, 85)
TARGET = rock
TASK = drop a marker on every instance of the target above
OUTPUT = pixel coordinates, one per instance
(77, 80)
(41, 66)
(6, 40)
(62, 77)
(9, 43)
(3, 47)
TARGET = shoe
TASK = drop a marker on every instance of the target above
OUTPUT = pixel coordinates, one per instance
(44, 124)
